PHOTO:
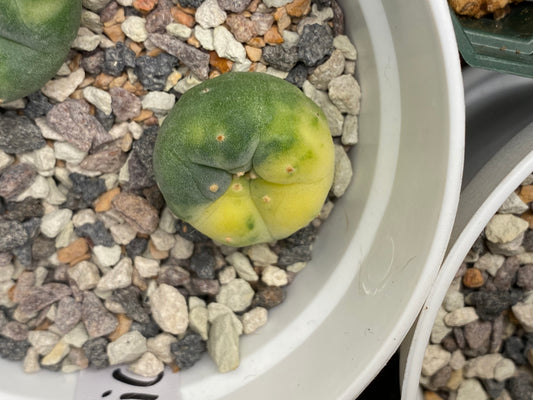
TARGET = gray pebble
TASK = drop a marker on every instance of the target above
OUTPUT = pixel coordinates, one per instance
(314, 45)
(188, 350)
(18, 134)
(96, 352)
(97, 320)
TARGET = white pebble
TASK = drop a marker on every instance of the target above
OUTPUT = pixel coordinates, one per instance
(209, 14)
(169, 309)
(435, 358)
(227, 46)
(321, 98)
(82, 217)
(350, 130)
(118, 277)
(55, 196)
(205, 37)
(182, 249)
(254, 319)
(148, 365)
(162, 240)
(67, 152)
(122, 233)
(39, 189)
(135, 28)
(86, 275)
(343, 172)
(127, 348)
(261, 255)
(471, 389)
(345, 93)
(5, 160)
(461, 316)
(98, 98)
(237, 295)
(242, 266)
(160, 346)
(60, 89)
(199, 322)
(106, 256)
(158, 102)
(180, 31)
(504, 228)
(226, 275)
(223, 344)
(43, 160)
(524, 313)
(513, 205)
(343, 43)
(54, 222)
(86, 40)
(274, 276)
(147, 268)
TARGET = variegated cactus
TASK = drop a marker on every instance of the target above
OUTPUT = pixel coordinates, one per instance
(245, 158)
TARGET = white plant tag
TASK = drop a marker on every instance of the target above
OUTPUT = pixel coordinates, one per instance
(117, 383)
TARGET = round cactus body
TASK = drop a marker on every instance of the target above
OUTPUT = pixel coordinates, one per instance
(35, 38)
(245, 158)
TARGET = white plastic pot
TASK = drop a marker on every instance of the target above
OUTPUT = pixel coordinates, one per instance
(377, 255)
(499, 158)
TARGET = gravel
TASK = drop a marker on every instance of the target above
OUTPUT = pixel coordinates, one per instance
(94, 268)
(486, 320)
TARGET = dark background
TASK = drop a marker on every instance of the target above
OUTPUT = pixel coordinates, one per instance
(386, 386)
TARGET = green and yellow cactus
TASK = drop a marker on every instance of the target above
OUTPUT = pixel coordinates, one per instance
(35, 38)
(245, 158)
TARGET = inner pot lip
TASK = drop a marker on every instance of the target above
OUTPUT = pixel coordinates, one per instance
(481, 197)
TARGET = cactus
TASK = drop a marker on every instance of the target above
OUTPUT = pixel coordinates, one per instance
(245, 158)
(35, 38)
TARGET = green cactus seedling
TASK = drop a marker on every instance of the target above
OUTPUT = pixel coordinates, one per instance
(245, 158)
(35, 38)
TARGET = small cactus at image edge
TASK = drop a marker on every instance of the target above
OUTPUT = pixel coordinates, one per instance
(35, 38)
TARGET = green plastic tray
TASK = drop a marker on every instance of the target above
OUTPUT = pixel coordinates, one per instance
(505, 45)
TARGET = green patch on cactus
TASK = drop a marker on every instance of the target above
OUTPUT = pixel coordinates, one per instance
(35, 38)
(245, 158)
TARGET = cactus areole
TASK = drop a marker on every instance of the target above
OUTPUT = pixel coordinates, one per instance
(245, 158)
(35, 38)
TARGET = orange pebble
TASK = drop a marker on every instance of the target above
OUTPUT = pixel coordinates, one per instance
(182, 17)
(103, 202)
(77, 248)
(144, 5)
(222, 64)
(272, 36)
(528, 216)
(102, 81)
(526, 193)
(473, 278)
(253, 53)
(256, 42)
(144, 115)
(114, 32)
(123, 326)
(298, 8)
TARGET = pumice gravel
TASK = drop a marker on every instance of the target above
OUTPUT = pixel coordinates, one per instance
(94, 268)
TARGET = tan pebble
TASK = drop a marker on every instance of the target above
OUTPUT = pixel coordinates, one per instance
(182, 17)
(252, 7)
(77, 248)
(430, 395)
(194, 42)
(526, 193)
(529, 356)
(59, 352)
(154, 52)
(298, 8)
(119, 81)
(186, 10)
(473, 278)
(137, 48)
(456, 378)
(88, 81)
(284, 23)
(144, 115)
(126, 142)
(114, 32)
(124, 324)
(144, 5)
(103, 202)
(272, 36)
(84, 257)
(75, 62)
(156, 253)
(214, 73)
(151, 121)
(528, 216)
(77, 95)
(102, 81)
(256, 42)
(138, 281)
(279, 13)
(253, 53)
(118, 18)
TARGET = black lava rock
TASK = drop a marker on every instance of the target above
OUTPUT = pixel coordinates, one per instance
(97, 232)
(12, 234)
(513, 348)
(37, 106)
(107, 121)
(136, 247)
(203, 262)
(14, 350)
(280, 58)
(18, 134)
(88, 188)
(490, 304)
(148, 330)
(315, 44)
(42, 247)
(190, 3)
(188, 350)
(22, 210)
(187, 231)
(96, 351)
(520, 387)
(297, 75)
(493, 387)
(117, 58)
(130, 299)
(154, 71)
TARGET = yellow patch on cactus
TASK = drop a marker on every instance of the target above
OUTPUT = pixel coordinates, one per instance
(245, 158)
